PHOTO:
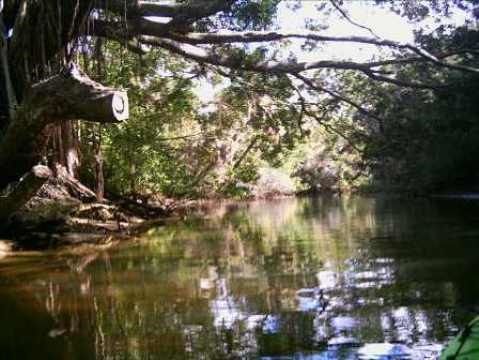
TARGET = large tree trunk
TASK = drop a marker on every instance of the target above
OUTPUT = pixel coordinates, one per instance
(67, 147)
(63, 143)
(70, 95)
(99, 175)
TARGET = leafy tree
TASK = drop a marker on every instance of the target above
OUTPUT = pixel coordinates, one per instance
(43, 93)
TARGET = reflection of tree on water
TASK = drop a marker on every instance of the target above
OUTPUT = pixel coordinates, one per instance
(266, 278)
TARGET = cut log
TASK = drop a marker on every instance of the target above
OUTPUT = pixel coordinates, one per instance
(72, 95)
(23, 191)
(66, 96)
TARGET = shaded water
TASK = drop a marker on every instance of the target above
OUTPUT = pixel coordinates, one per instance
(321, 278)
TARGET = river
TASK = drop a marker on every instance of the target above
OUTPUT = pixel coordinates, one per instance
(307, 278)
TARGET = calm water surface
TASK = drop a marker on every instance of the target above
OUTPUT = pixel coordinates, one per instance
(321, 278)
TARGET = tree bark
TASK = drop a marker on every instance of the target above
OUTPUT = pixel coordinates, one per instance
(65, 146)
(7, 95)
(71, 155)
(74, 187)
(99, 175)
(26, 188)
(70, 95)
(73, 95)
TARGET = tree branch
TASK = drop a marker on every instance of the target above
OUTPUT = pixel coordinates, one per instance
(335, 95)
(203, 55)
(73, 95)
(112, 31)
(351, 21)
(330, 128)
(67, 96)
(181, 13)
(265, 36)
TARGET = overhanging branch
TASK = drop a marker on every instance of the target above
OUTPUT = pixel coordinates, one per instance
(266, 36)
(181, 13)
(208, 56)
(69, 95)
(335, 95)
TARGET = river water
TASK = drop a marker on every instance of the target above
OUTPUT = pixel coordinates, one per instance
(308, 278)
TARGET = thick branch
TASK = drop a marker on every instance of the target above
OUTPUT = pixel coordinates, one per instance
(203, 55)
(223, 37)
(181, 13)
(194, 11)
(70, 95)
(139, 8)
(208, 56)
(114, 31)
(73, 95)
(163, 35)
(264, 36)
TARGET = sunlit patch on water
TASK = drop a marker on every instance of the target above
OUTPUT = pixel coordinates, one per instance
(386, 351)
(310, 299)
(350, 349)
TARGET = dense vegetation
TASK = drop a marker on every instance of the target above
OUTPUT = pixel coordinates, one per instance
(406, 120)
(262, 137)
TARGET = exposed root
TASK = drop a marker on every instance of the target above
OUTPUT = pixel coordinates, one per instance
(56, 217)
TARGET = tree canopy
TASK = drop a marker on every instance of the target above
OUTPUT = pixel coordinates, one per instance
(371, 111)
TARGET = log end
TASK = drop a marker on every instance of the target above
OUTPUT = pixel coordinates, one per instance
(76, 96)
(120, 107)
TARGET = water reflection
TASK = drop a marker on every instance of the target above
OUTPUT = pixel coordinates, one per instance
(323, 278)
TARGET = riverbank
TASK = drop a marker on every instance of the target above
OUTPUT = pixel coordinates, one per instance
(55, 219)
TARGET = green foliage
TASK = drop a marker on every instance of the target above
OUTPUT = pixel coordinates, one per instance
(423, 141)
(406, 139)
(252, 15)
(326, 162)
(240, 178)
(145, 153)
